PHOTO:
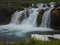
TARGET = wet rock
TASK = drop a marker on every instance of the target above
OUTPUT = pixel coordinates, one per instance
(22, 17)
(44, 5)
(55, 17)
(57, 5)
(48, 5)
(52, 38)
(39, 18)
(55, 12)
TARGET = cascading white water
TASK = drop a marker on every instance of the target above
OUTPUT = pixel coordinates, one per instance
(32, 18)
(41, 6)
(46, 19)
(15, 17)
(27, 24)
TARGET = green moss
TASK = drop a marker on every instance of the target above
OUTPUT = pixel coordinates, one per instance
(32, 1)
(33, 42)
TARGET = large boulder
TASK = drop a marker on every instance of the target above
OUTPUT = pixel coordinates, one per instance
(55, 18)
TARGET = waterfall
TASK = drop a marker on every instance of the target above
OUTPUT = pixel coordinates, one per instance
(15, 17)
(46, 19)
(29, 22)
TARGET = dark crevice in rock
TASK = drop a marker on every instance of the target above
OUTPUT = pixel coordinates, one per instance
(39, 18)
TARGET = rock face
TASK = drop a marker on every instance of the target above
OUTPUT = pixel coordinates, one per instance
(6, 12)
(55, 17)
(5, 15)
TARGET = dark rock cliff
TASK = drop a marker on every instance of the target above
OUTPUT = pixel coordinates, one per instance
(5, 15)
(55, 18)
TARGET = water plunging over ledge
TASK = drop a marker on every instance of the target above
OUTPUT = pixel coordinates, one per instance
(20, 25)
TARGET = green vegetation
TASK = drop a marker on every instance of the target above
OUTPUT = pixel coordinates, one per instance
(33, 42)
(21, 4)
(31, 0)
